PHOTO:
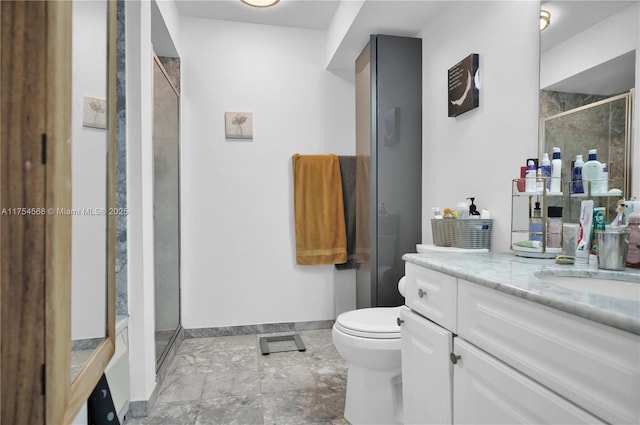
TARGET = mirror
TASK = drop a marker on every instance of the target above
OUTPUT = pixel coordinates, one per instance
(89, 147)
(87, 324)
(587, 81)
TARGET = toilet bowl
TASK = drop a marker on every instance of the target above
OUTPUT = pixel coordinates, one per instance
(369, 340)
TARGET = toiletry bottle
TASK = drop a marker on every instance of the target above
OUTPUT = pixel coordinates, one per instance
(556, 172)
(539, 181)
(604, 183)
(633, 250)
(546, 169)
(530, 179)
(473, 209)
(576, 175)
(463, 209)
(535, 224)
(554, 229)
(619, 220)
(592, 173)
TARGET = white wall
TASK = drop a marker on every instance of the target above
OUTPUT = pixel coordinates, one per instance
(478, 153)
(238, 246)
(140, 266)
(604, 41)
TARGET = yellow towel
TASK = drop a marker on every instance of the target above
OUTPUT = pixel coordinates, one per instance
(318, 210)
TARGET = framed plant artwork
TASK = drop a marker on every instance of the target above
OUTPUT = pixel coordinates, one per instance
(238, 125)
(94, 112)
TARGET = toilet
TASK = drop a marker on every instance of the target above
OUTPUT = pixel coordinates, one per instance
(369, 340)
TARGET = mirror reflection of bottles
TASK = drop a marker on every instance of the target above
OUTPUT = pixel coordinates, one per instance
(556, 172)
(576, 175)
(592, 173)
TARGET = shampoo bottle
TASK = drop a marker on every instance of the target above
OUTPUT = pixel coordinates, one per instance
(545, 167)
(576, 176)
(556, 172)
(592, 173)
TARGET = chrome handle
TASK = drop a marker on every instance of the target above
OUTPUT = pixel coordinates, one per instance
(454, 358)
(399, 321)
(421, 292)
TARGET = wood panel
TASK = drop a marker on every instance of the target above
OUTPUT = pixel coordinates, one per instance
(22, 174)
(58, 226)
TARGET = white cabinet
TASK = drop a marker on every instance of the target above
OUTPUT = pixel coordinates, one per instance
(487, 391)
(590, 364)
(427, 373)
(516, 361)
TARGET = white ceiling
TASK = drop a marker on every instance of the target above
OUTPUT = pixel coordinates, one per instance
(409, 17)
(310, 14)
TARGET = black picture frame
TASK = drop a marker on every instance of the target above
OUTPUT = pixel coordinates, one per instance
(463, 85)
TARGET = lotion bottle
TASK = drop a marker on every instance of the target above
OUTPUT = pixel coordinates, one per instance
(556, 172)
(592, 173)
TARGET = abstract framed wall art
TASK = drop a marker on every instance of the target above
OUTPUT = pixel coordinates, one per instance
(464, 85)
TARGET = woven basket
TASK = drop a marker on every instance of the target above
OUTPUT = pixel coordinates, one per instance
(462, 233)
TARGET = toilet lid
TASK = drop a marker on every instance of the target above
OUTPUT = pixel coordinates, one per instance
(378, 322)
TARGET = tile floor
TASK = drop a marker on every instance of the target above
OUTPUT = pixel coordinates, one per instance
(227, 381)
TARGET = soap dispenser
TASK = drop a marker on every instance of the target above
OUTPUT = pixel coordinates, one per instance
(473, 209)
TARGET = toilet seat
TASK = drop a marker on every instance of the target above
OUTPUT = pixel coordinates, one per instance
(373, 323)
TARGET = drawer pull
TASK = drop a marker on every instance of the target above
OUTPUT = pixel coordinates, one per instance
(454, 358)
(399, 321)
(422, 293)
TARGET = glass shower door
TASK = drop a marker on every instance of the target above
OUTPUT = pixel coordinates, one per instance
(166, 203)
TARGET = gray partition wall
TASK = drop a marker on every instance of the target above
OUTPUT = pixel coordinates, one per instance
(389, 167)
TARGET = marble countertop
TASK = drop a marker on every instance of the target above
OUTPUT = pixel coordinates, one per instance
(514, 275)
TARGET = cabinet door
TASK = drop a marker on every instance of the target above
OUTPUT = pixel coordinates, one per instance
(487, 391)
(426, 370)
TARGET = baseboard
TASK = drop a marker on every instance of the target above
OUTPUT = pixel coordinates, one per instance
(257, 329)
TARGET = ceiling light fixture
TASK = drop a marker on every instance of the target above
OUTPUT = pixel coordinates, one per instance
(260, 3)
(545, 19)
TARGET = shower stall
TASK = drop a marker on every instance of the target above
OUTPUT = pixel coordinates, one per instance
(166, 207)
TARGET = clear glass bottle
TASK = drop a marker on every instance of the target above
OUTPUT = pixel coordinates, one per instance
(633, 251)
(535, 224)
(554, 228)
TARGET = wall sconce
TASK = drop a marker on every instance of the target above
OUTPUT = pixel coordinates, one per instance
(545, 19)
(260, 3)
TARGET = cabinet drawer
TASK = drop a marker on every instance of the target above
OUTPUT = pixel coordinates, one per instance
(487, 391)
(594, 366)
(432, 294)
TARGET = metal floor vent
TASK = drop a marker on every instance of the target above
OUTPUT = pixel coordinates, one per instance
(279, 344)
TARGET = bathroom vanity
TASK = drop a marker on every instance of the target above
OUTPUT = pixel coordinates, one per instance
(494, 338)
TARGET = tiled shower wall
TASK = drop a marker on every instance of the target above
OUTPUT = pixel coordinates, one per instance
(121, 167)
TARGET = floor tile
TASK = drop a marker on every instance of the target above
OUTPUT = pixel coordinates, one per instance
(172, 413)
(241, 410)
(226, 380)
